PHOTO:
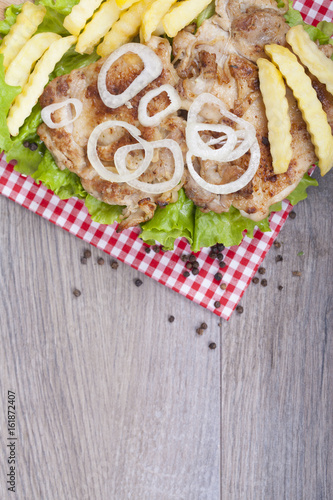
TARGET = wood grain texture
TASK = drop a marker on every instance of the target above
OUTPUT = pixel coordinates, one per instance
(277, 373)
(113, 400)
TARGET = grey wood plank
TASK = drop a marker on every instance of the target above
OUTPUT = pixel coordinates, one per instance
(113, 400)
(277, 372)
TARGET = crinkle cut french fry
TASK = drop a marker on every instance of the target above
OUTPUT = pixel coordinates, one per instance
(76, 20)
(126, 28)
(308, 102)
(21, 31)
(20, 68)
(33, 89)
(182, 15)
(152, 18)
(311, 56)
(125, 4)
(273, 92)
(96, 29)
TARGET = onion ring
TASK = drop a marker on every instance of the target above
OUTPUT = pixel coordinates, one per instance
(125, 174)
(152, 69)
(46, 113)
(153, 121)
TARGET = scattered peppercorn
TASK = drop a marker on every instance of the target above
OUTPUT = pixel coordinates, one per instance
(138, 282)
(213, 254)
(186, 274)
(239, 309)
(33, 146)
(277, 244)
(192, 258)
(255, 280)
(195, 264)
(114, 264)
(222, 264)
(220, 247)
(147, 249)
(195, 271)
(26, 144)
(217, 304)
(212, 345)
(278, 258)
(188, 265)
(171, 319)
(261, 270)
(204, 326)
(87, 254)
(280, 287)
(76, 292)
(83, 260)
(218, 276)
(199, 331)
(220, 256)
(297, 273)
(292, 215)
(100, 261)
(223, 286)
(156, 248)
(184, 257)
(263, 282)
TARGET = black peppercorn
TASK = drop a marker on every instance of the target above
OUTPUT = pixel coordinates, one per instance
(212, 345)
(76, 292)
(171, 319)
(217, 304)
(138, 282)
(195, 271)
(261, 270)
(292, 215)
(278, 258)
(239, 309)
(264, 282)
(100, 261)
(255, 280)
(33, 146)
(114, 264)
(87, 254)
(218, 276)
(186, 274)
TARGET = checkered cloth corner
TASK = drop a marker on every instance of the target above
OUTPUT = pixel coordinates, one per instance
(241, 262)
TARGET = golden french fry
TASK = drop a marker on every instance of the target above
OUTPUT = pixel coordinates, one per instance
(273, 92)
(19, 69)
(311, 56)
(76, 20)
(124, 30)
(308, 102)
(101, 23)
(125, 4)
(21, 31)
(152, 18)
(33, 89)
(182, 15)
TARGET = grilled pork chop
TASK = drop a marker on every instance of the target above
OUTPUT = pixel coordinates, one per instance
(220, 59)
(68, 145)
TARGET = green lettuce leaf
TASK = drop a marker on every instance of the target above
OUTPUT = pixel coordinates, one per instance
(7, 95)
(72, 60)
(208, 12)
(322, 33)
(102, 212)
(226, 228)
(63, 183)
(61, 6)
(11, 14)
(27, 160)
(300, 193)
(171, 222)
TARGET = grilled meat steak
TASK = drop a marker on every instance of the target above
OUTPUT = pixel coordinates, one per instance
(231, 41)
(68, 145)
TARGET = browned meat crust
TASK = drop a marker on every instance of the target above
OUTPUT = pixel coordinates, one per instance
(69, 144)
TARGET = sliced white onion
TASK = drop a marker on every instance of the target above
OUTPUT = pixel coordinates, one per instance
(125, 174)
(246, 133)
(200, 148)
(152, 69)
(48, 110)
(233, 186)
(160, 187)
(153, 121)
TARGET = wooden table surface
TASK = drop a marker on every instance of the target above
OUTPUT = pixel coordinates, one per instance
(114, 402)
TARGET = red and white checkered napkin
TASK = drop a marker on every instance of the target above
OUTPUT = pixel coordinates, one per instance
(165, 267)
